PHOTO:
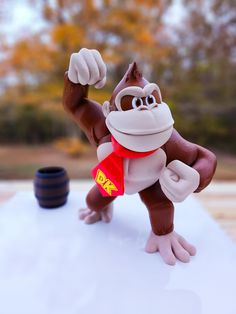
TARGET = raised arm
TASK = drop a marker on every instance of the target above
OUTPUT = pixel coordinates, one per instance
(86, 68)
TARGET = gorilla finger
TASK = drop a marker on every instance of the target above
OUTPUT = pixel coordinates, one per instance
(152, 243)
(82, 71)
(101, 83)
(94, 75)
(106, 217)
(84, 209)
(187, 246)
(84, 213)
(92, 218)
(166, 252)
(72, 73)
(107, 214)
(151, 247)
(101, 65)
(180, 252)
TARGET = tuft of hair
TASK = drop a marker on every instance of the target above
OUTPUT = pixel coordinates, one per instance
(133, 73)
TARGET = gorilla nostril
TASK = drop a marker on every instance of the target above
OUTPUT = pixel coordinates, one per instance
(150, 107)
(143, 107)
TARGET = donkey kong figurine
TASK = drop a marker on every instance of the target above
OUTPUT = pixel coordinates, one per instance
(138, 150)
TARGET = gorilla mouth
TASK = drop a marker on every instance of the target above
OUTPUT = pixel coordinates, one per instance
(142, 140)
(141, 123)
(143, 132)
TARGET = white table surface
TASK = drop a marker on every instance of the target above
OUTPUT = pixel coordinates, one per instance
(52, 263)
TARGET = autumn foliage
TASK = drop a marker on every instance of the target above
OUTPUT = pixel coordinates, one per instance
(192, 60)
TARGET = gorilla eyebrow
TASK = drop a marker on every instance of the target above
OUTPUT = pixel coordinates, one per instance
(149, 88)
(136, 91)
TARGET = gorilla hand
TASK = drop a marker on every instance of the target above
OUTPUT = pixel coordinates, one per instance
(87, 68)
(90, 217)
(178, 181)
(170, 247)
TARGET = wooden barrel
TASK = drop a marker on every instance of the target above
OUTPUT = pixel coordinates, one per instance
(51, 187)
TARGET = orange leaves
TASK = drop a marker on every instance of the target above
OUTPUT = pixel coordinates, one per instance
(30, 55)
(144, 37)
(149, 3)
(68, 36)
(120, 30)
(122, 21)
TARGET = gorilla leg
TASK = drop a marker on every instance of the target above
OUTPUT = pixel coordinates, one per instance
(162, 238)
(160, 208)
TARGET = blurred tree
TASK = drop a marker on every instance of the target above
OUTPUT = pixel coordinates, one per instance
(121, 30)
(193, 62)
(203, 72)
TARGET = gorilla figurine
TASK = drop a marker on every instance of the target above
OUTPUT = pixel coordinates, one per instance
(138, 150)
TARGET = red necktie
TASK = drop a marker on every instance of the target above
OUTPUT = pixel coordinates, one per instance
(109, 173)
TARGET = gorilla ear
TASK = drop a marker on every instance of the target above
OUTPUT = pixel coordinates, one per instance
(106, 108)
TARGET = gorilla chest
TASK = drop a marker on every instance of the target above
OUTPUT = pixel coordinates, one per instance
(139, 173)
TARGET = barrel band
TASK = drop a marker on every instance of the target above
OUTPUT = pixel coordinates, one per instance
(51, 198)
(55, 172)
(51, 186)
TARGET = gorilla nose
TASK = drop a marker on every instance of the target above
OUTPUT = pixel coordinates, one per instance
(150, 107)
(147, 107)
(142, 107)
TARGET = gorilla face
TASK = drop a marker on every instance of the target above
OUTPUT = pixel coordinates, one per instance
(141, 121)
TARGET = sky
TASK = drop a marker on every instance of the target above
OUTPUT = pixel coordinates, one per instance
(20, 17)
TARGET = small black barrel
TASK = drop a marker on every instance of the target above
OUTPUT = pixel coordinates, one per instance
(51, 187)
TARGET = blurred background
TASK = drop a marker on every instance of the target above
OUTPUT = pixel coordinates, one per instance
(187, 47)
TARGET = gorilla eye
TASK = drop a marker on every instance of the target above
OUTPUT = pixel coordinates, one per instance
(150, 100)
(137, 102)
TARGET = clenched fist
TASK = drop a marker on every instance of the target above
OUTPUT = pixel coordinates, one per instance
(178, 181)
(87, 68)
